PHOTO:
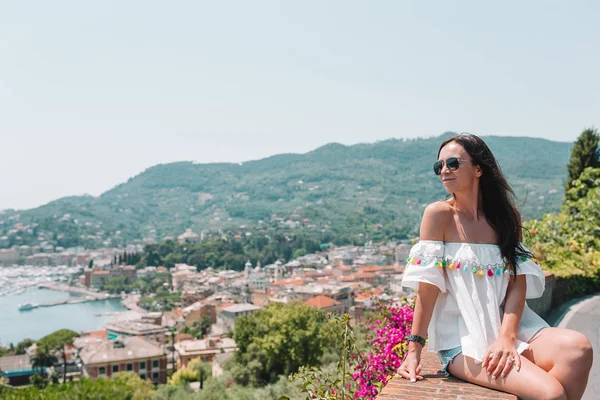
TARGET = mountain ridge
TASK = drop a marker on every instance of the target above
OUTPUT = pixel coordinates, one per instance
(340, 189)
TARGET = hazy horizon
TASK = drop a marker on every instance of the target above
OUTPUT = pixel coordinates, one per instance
(94, 93)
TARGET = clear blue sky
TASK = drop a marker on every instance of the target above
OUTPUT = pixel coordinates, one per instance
(92, 93)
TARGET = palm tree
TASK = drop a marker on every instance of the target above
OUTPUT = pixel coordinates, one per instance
(43, 358)
(56, 343)
(62, 348)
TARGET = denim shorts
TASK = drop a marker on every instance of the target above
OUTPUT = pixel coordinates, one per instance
(447, 356)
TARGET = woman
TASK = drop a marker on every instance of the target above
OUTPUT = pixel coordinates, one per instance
(473, 276)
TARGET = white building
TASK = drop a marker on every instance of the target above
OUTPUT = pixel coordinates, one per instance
(273, 271)
(257, 277)
(227, 316)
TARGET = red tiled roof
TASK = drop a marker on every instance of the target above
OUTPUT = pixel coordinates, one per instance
(288, 282)
(102, 333)
(101, 273)
(376, 268)
(362, 296)
(180, 337)
(370, 268)
(321, 302)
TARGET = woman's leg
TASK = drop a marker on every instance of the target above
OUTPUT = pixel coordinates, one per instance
(531, 382)
(566, 355)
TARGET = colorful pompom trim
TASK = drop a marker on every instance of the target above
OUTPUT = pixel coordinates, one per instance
(456, 265)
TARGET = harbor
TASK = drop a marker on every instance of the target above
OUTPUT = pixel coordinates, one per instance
(76, 315)
(17, 279)
(85, 295)
(31, 306)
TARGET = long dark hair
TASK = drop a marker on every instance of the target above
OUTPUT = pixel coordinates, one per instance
(498, 199)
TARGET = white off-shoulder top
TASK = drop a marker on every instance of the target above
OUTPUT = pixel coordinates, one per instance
(473, 280)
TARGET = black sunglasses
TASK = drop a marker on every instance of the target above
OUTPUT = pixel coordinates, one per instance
(452, 163)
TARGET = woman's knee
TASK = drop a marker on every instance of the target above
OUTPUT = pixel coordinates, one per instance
(551, 390)
(578, 348)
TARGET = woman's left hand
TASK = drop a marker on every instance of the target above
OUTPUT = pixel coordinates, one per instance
(500, 357)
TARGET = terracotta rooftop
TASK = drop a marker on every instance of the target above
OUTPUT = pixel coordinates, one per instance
(100, 272)
(376, 268)
(364, 275)
(362, 296)
(180, 337)
(102, 333)
(282, 282)
(321, 302)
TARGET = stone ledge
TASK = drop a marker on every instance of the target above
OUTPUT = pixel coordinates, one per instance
(437, 386)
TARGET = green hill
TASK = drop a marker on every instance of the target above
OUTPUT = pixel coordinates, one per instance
(376, 189)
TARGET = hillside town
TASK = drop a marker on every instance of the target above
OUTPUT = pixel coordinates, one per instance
(154, 342)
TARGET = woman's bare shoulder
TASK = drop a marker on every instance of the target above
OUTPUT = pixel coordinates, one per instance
(439, 209)
(436, 217)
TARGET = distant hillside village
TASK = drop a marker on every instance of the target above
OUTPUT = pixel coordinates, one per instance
(153, 339)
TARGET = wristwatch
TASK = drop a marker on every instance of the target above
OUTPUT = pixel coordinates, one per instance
(416, 338)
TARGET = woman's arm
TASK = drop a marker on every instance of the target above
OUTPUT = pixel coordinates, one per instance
(513, 307)
(425, 302)
(432, 228)
(502, 355)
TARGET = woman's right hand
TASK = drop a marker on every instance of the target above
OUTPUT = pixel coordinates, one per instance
(411, 367)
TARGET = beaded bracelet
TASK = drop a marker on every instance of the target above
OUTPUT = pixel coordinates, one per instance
(416, 338)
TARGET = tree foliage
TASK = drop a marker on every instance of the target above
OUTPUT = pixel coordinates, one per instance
(43, 358)
(122, 386)
(585, 153)
(196, 371)
(568, 242)
(231, 254)
(22, 346)
(277, 341)
(58, 339)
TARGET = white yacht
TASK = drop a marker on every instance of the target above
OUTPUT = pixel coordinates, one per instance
(27, 306)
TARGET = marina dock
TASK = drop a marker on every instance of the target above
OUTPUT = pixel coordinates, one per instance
(77, 301)
(86, 296)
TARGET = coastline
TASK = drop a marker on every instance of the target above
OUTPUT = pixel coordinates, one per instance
(17, 325)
